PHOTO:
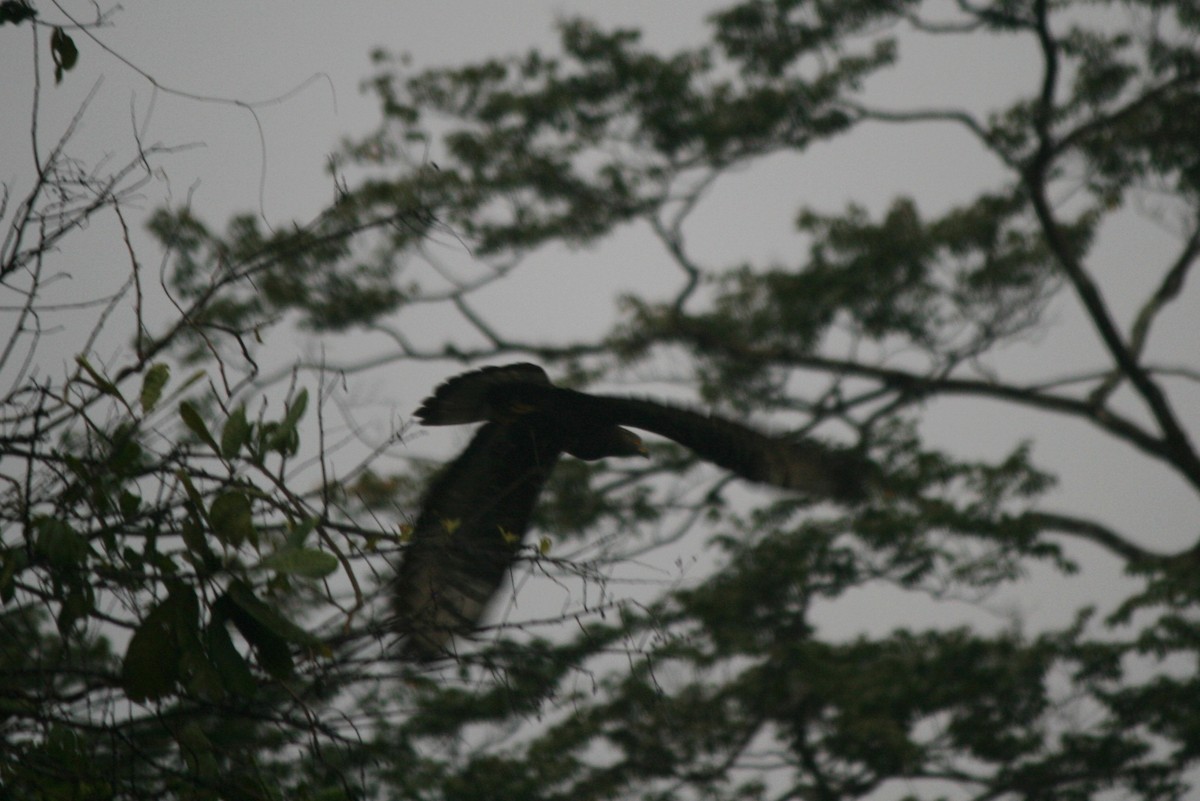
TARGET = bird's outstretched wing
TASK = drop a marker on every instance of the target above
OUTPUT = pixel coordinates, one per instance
(793, 463)
(472, 520)
(480, 395)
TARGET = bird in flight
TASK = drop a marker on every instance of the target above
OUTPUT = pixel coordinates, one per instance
(476, 511)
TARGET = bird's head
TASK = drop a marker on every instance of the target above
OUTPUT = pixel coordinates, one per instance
(630, 444)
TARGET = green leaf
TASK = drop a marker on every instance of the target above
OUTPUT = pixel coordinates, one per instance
(299, 533)
(230, 517)
(152, 661)
(306, 562)
(153, 384)
(126, 456)
(235, 434)
(192, 379)
(15, 560)
(282, 437)
(60, 543)
(279, 625)
(296, 410)
(64, 52)
(197, 749)
(77, 605)
(101, 383)
(190, 488)
(196, 541)
(129, 504)
(229, 663)
(191, 419)
(271, 649)
(199, 675)
(151, 665)
(16, 12)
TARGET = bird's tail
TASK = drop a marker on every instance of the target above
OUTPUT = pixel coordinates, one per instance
(466, 398)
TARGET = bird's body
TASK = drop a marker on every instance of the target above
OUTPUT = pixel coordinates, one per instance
(518, 392)
(476, 512)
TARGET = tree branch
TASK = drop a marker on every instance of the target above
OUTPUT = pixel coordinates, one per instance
(1095, 533)
(1168, 290)
(1176, 444)
(919, 386)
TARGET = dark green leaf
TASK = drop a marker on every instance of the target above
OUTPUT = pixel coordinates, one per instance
(193, 494)
(235, 434)
(157, 649)
(296, 410)
(273, 652)
(16, 12)
(230, 517)
(306, 562)
(300, 532)
(248, 602)
(191, 418)
(196, 541)
(151, 665)
(126, 456)
(14, 561)
(101, 383)
(197, 749)
(272, 649)
(129, 504)
(232, 667)
(64, 53)
(76, 606)
(153, 385)
(60, 543)
(281, 439)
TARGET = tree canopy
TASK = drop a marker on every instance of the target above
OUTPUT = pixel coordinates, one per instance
(192, 582)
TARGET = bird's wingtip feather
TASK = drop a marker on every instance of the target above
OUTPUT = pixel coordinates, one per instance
(464, 398)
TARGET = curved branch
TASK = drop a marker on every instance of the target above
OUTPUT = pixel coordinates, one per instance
(1094, 533)
(954, 116)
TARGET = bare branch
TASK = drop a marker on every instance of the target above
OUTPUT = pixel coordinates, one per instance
(1168, 290)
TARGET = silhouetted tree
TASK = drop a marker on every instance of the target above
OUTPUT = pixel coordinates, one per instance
(721, 688)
